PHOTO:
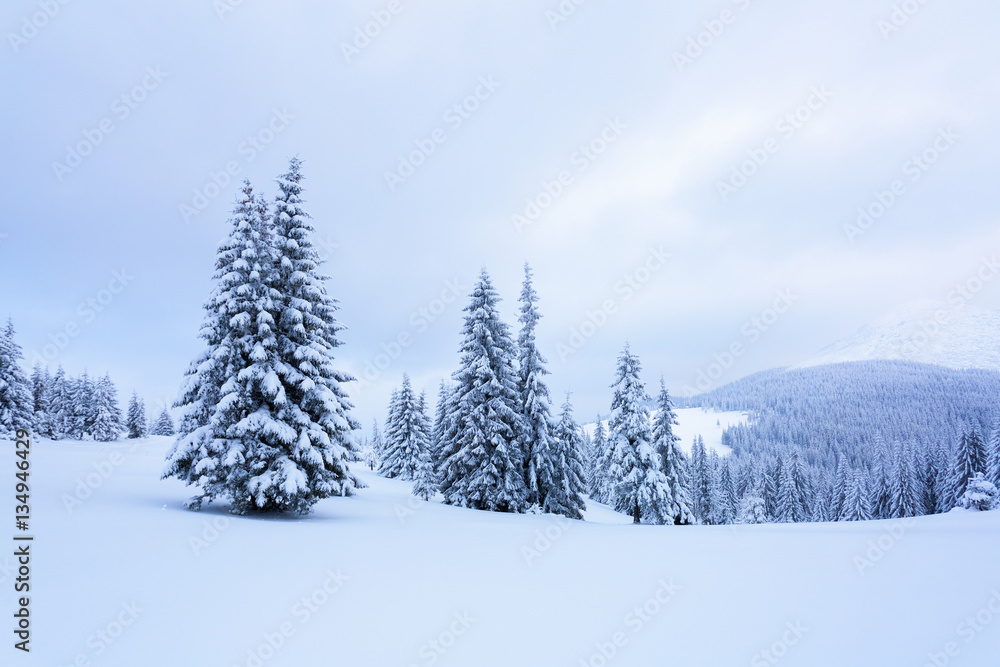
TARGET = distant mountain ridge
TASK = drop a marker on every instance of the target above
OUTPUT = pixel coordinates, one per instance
(927, 332)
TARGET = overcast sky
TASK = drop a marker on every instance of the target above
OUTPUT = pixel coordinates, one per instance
(623, 122)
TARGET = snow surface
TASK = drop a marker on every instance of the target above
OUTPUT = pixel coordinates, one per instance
(707, 423)
(413, 569)
(924, 331)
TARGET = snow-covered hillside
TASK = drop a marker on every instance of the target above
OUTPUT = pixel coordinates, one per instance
(124, 576)
(925, 331)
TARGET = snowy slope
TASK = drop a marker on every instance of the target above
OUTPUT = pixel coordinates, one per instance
(709, 424)
(381, 580)
(924, 331)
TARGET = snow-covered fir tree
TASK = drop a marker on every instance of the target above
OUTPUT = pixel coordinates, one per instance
(317, 406)
(905, 497)
(970, 458)
(858, 506)
(751, 508)
(80, 422)
(599, 484)
(536, 440)
(993, 456)
(701, 480)
(425, 483)
(58, 404)
(163, 425)
(726, 502)
(980, 494)
(16, 401)
(406, 438)
(566, 488)
(135, 419)
(107, 415)
(789, 506)
(39, 382)
(640, 488)
(267, 423)
(673, 463)
(484, 465)
(377, 446)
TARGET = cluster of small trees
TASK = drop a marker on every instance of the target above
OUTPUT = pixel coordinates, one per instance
(56, 406)
(493, 443)
(266, 421)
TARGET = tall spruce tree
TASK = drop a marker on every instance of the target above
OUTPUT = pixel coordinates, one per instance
(858, 506)
(485, 465)
(536, 439)
(993, 456)
(600, 464)
(107, 421)
(673, 463)
(407, 440)
(906, 501)
(16, 401)
(640, 488)
(135, 420)
(564, 494)
(789, 507)
(267, 424)
(970, 458)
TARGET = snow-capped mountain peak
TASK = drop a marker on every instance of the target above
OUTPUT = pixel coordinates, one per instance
(925, 331)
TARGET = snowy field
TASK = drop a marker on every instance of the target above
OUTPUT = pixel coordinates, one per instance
(698, 421)
(130, 578)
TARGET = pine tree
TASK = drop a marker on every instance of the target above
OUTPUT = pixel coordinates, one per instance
(673, 463)
(640, 488)
(601, 460)
(931, 498)
(564, 494)
(993, 456)
(751, 508)
(980, 494)
(318, 406)
(135, 421)
(407, 437)
(425, 479)
(425, 483)
(59, 405)
(970, 458)
(841, 489)
(163, 425)
(858, 506)
(905, 499)
(16, 401)
(536, 440)
(789, 507)
(80, 421)
(377, 446)
(702, 481)
(107, 415)
(39, 382)
(266, 423)
(485, 465)
(726, 503)
(881, 496)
